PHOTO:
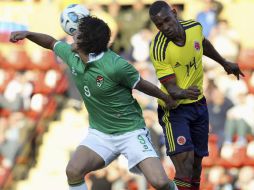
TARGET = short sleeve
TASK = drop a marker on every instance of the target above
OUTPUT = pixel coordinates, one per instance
(126, 74)
(201, 32)
(164, 71)
(63, 50)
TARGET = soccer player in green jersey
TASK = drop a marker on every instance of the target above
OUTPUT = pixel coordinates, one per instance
(105, 81)
(176, 52)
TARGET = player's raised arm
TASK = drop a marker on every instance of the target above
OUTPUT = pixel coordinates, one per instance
(230, 68)
(152, 90)
(42, 40)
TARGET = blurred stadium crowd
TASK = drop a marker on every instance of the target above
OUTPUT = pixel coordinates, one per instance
(42, 117)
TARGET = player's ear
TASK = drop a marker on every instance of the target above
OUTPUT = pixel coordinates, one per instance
(174, 12)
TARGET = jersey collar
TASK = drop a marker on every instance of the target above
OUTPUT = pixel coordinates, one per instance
(92, 57)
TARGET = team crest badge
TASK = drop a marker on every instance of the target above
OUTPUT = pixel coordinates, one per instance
(99, 81)
(197, 45)
(181, 140)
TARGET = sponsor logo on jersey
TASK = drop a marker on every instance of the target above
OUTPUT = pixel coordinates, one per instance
(99, 81)
(197, 45)
(181, 140)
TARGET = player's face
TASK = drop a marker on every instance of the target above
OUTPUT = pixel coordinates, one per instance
(74, 46)
(166, 22)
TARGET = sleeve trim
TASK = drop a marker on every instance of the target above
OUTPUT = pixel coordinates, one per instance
(56, 44)
(135, 84)
(166, 78)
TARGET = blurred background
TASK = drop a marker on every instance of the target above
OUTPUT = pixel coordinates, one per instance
(42, 117)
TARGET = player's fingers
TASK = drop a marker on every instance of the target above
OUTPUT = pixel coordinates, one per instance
(194, 89)
(13, 40)
(193, 96)
(241, 73)
(229, 72)
(196, 92)
(13, 37)
(238, 74)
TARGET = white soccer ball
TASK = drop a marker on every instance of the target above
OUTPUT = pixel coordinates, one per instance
(70, 17)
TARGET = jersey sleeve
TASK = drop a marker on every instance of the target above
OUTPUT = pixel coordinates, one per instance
(63, 50)
(164, 71)
(201, 31)
(126, 74)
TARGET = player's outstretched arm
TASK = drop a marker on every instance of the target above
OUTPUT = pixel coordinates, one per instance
(152, 90)
(230, 68)
(42, 40)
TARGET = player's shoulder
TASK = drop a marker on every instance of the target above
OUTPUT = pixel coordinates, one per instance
(60, 46)
(159, 46)
(187, 24)
(62, 43)
(113, 59)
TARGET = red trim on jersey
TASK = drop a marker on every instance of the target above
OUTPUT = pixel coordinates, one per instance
(166, 78)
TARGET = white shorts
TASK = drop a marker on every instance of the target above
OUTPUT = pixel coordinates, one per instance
(136, 146)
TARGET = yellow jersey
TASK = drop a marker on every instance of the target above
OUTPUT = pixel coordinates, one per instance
(182, 62)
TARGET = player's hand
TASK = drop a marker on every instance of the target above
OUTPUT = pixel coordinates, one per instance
(233, 68)
(170, 103)
(18, 35)
(192, 93)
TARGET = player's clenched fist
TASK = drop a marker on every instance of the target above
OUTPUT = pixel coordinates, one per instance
(18, 35)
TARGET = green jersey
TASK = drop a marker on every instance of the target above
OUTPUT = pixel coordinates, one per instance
(105, 85)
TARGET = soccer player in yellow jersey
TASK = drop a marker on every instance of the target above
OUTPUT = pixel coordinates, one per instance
(176, 52)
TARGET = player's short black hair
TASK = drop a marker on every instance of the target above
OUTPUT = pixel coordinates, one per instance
(156, 7)
(94, 35)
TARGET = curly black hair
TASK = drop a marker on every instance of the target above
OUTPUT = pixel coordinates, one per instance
(156, 7)
(94, 35)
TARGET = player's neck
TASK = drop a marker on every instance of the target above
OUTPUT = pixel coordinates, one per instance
(84, 57)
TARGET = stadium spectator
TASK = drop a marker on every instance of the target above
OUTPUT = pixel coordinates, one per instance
(185, 127)
(156, 135)
(100, 180)
(226, 40)
(114, 9)
(13, 133)
(220, 178)
(217, 109)
(209, 16)
(130, 21)
(17, 93)
(245, 177)
(140, 43)
(98, 11)
(239, 122)
(102, 89)
(250, 82)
